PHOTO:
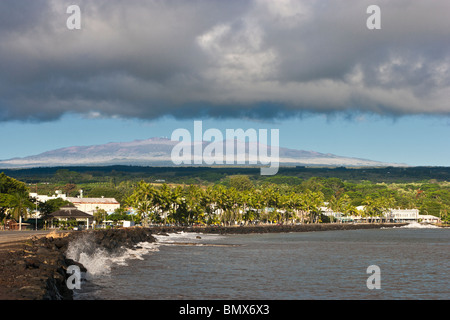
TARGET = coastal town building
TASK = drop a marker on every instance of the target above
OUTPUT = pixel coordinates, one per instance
(403, 215)
(70, 213)
(392, 215)
(427, 218)
(88, 205)
(44, 198)
(91, 205)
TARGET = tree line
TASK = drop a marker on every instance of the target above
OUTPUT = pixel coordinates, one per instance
(241, 202)
(220, 205)
(194, 175)
(237, 199)
(16, 203)
(14, 199)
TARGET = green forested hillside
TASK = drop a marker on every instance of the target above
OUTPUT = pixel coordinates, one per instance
(424, 188)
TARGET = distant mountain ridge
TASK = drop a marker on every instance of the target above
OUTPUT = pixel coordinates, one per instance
(157, 152)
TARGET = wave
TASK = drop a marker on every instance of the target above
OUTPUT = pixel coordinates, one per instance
(183, 237)
(416, 225)
(98, 261)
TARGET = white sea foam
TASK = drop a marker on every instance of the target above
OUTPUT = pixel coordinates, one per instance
(191, 237)
(416, 225)
(98, 261)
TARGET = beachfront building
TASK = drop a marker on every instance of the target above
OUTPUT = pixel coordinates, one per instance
(341, 217)
(44, 198)
(427, 218)
(69, 215)
(403, 215)
(392, 215)
(91, 205)
(88, 205)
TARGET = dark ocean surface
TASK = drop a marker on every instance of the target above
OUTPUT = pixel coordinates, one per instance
(413, 263)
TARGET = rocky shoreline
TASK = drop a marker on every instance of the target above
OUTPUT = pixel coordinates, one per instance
(275, 228)
(36, 269)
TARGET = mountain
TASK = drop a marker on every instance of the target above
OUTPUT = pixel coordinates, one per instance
(157, 152)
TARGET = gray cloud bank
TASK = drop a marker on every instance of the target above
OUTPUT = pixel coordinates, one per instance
(194, 58)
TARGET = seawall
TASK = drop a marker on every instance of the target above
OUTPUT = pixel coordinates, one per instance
(275, 228)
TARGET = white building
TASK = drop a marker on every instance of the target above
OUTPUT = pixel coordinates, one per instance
(393, 215)
(45, 198)
(91, 205)
(427, 218)
(403, 215)
(88, 205)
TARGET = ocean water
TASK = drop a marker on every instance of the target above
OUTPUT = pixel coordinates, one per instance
(413, 263)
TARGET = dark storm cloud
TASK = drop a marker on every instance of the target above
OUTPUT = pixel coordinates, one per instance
(259, 59)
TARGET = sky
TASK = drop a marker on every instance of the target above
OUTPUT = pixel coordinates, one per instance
(312, 69)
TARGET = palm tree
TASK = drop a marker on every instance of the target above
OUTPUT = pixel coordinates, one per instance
(376, 207)
(20, 203)
(335, 205)
(256, 204)
(292, 206)
(170, 201)
(145, 200)
(444, 212)
(385, 203)
(233, 205)
(296, 207)
(350, 210)
(219, 202)
(313, 202)
(195, 204)
(281, 208)
(301, 208)
(370, 208)
(340, 205)
(237, 204)
(269, 201)
(208, 202)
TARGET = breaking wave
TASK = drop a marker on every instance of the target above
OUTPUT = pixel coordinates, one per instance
(99, 261)
(192, 237)
(416, 225)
